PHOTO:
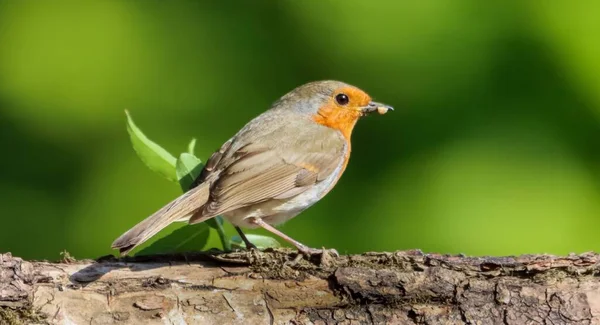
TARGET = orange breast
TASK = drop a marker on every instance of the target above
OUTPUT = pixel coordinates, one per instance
(340, 119)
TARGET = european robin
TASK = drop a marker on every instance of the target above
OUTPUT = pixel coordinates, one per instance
(279, 164)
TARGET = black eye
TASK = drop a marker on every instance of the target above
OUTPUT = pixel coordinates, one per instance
(342, 99)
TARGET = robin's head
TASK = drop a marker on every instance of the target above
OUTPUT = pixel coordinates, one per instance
(332, 103)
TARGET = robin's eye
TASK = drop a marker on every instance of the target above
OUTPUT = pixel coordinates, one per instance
(342, 99)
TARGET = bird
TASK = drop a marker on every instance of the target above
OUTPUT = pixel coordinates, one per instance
(278, 165)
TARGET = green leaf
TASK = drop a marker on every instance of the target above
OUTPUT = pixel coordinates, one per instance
(185, 170)
(261, 242)
(191, 146)
(188, 168)
(152, 155)
(184, 239)
(215, 222)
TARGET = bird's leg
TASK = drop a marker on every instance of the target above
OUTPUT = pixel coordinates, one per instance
(301, 247)
(249, 245)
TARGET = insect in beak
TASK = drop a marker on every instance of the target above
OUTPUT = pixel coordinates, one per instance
(376, 107)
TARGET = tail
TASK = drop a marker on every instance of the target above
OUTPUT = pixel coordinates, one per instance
(179, 209)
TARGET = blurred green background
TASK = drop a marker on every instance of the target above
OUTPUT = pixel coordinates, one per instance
(494, 147)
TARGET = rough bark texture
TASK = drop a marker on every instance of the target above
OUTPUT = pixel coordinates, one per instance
(280, 287)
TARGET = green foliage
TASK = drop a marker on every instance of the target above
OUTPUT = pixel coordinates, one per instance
(192, 146)
(186, 169)
(152, 155)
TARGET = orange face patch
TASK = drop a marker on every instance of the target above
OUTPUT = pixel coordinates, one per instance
(343, 117)
(358, 98)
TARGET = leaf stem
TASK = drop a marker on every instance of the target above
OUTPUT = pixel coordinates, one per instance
(224, 241)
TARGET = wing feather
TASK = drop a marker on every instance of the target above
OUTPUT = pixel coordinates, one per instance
(255, 173)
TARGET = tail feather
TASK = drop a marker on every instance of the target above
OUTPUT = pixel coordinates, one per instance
(179, 209)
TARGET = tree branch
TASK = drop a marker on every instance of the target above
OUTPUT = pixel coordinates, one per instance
(281, 287)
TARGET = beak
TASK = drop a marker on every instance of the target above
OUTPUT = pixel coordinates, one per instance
(376, 107)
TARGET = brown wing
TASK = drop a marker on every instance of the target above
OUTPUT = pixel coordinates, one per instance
(212, 163)
(255, 173)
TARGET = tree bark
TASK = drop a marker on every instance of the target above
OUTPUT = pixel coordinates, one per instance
(282, 287)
